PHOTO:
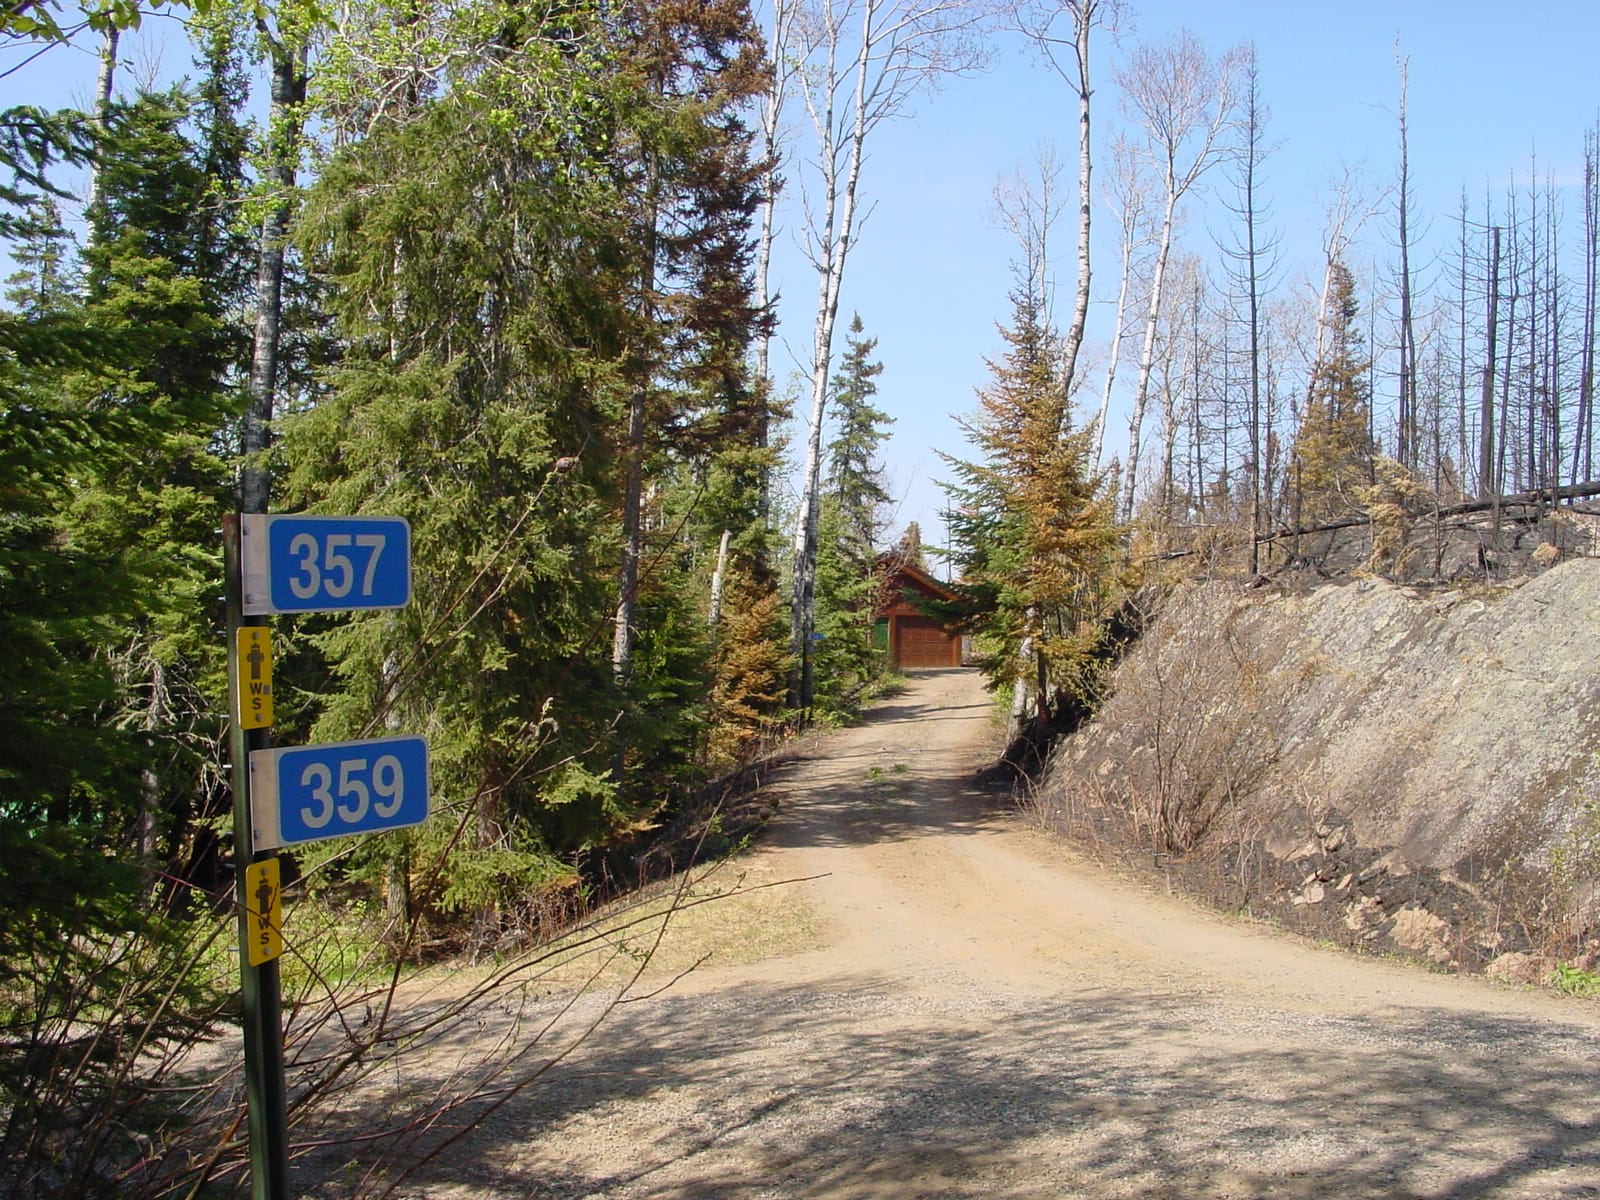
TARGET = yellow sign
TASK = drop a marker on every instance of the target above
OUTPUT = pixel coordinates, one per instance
(252, 700)
(263, 912)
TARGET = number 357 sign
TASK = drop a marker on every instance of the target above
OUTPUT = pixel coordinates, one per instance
(297, 563)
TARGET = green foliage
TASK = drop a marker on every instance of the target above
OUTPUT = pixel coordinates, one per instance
(847, 658)
(1034, 544)
(1576, 981)
(1333, 450)
(112, 396)
(32, 142)
(515, 235)
(38, 21)
(846, 653)
(519, 252)
(855, 474)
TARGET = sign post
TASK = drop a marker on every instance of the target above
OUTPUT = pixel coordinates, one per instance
(300, 563)
(260, 990)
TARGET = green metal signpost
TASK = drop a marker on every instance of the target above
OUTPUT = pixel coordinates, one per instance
(261, 993)
(299, 563)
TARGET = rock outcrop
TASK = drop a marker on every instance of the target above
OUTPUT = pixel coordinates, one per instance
(1409, 769)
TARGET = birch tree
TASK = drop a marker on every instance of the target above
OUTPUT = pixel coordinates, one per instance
(1128, 192)
(1028, 206)
(773, 102)
(1184, 101)
(1061, 32)
(862, 63)
(104, 88)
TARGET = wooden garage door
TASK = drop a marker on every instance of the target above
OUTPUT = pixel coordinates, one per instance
(922, 643)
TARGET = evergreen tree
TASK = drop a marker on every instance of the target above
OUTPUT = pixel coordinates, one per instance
(683, 168)
(474, 270)
(41, 253)
(845, 658)
(750, 669)
(1333, 449)
(1032, 536)
(121, 387)
(109, 498)
(855, 474)
(552, 239)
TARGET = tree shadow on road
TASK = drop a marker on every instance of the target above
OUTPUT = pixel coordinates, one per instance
(883, 780)
(853, 1091)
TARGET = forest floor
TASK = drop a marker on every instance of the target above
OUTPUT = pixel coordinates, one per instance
(937, 1000)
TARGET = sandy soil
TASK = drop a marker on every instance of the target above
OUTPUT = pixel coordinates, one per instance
(950, 1005)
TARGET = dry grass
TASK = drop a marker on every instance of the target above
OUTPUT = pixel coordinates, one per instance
(732, 914)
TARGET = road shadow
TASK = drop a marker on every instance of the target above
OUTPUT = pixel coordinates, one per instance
(879, 785)
(849, 1091)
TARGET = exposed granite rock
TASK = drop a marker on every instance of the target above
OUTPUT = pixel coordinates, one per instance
(1417, 763)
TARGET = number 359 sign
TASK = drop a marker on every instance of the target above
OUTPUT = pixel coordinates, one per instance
(307, 793)
(297, 563)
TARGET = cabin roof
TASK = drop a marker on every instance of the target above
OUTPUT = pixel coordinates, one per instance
(896, 569)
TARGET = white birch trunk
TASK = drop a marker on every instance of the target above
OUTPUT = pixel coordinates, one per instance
(1080, 305)
(105, 84)
(1116, 337)
(779, 49)
(831, 252)
(1147, 358)
(718, 578)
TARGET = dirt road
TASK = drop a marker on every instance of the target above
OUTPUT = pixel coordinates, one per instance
(950, 1006)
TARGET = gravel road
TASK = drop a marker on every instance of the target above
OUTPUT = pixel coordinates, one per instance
(949, 1005)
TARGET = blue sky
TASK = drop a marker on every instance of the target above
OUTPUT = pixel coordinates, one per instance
(930, 273)
(1490, 85)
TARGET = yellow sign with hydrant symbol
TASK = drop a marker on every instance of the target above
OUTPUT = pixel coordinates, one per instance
(263, 911)
(252, 699)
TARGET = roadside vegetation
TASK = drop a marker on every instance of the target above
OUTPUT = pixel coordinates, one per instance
(502, 270)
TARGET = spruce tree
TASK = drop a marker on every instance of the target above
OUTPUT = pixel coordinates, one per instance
(550, 239)
(844, 659)
(111, 397)
(683, 168)
(855, 473)
(1031, 530)
(1333, 450)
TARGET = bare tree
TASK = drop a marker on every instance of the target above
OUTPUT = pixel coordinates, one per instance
(1513, 264)
(1488, 478)
(1254, 255)
(1185, 102)
(1349, 210)
(1061, 31)
(1131, 199)
(1583, 434)
(1027, 207)
(781, 67)
(1406, 437)
(1463, 267)
(1182, 356)
(861, 63)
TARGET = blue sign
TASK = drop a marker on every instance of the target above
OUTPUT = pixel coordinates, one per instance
(294, 563)
(308, 793)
